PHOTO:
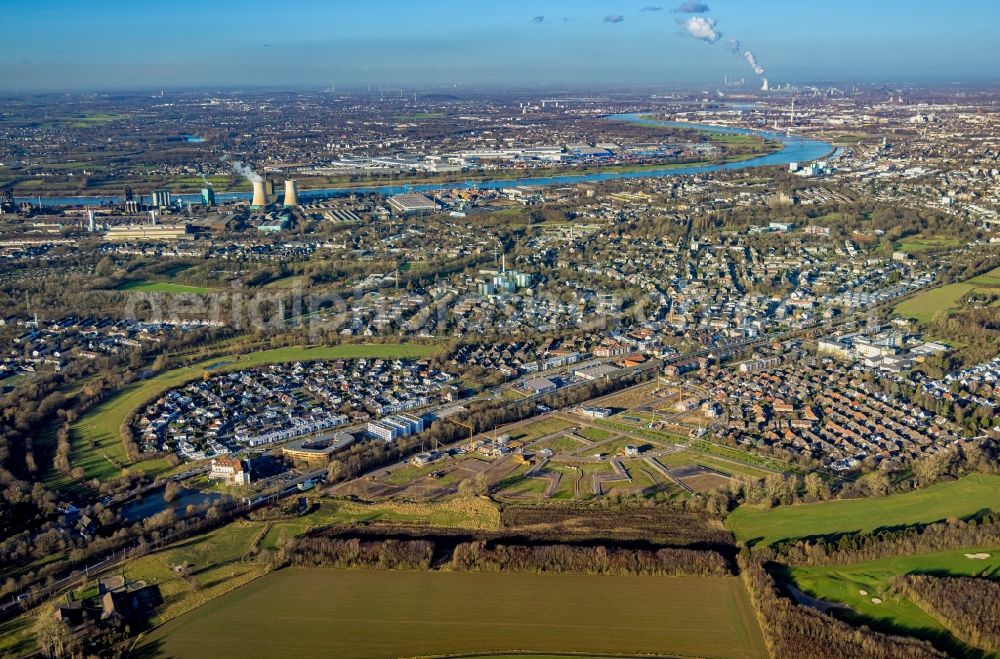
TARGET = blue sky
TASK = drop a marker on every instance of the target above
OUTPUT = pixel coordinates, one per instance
(114, 44)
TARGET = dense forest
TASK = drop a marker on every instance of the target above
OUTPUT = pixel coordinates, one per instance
(967, 606)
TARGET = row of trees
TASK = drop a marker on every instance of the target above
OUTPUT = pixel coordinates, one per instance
(968, 607)
(320, 551)
(668, 561)
(859, 547)
(793, 630)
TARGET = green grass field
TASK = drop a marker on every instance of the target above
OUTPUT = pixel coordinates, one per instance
(146, 286)
(843, 583)
(559, 444)
(457, 513)
(293, 281)
(989, 279)
(95, 441)
(687, 458)
(401, 613)
(920, 244)
(538, 429)
(523, 488)
(16, 638)
(924, 305)
(961, 498)
(594, 434)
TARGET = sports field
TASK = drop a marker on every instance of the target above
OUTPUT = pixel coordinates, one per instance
(96, 443)
(845, 584)
(961, 498)
(362, 613)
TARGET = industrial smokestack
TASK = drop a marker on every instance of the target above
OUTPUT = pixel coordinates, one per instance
(259, 196)
(291, 192)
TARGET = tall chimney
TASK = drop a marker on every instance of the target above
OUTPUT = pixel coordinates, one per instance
(259, 196)
(291, 192)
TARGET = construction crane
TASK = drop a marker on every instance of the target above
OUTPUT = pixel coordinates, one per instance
(460, 423)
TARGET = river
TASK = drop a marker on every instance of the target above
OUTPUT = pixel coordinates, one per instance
(794, 149)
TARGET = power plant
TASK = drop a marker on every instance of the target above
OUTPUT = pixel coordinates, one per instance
(259, 196)
(291, 192)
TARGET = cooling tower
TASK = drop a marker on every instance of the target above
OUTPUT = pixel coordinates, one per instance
(259, 196)
(291, 192)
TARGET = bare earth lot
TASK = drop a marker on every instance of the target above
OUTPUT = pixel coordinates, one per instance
(362, 613)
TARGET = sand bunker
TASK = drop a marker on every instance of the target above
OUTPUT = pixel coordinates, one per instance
(978, 557)
(863, 593)
(876, 600)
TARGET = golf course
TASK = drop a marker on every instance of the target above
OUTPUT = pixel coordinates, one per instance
(962, 498)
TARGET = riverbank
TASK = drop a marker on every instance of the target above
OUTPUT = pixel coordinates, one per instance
(793, 149)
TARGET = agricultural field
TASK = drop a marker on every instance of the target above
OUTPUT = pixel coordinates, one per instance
(962, 498)
(442, 613)
(924, 305)
(96, 444)
(891, 611)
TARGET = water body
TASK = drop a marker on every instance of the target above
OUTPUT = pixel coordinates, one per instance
(194, 139)
(794, 149)
(154, 503)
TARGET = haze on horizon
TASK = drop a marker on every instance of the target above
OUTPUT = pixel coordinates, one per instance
(54, 45)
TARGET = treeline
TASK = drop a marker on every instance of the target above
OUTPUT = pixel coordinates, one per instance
(317, 551)
(668, 561)
(967, 606)
(793, 630)
(957, 460)
(976, 330)
(860, 547)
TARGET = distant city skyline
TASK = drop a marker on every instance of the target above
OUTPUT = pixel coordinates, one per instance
(53, 45)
